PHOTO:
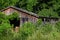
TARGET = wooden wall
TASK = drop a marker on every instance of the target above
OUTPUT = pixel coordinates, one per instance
(22, 14)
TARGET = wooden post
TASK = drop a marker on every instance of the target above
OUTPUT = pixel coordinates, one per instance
(17, 29)
(44, 20)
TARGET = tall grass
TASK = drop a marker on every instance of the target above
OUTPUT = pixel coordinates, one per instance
(30, 31)
(48, 32)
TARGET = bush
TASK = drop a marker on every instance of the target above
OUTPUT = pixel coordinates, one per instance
(27, 29)
(38, 23)
(58, 26)
(47, 32)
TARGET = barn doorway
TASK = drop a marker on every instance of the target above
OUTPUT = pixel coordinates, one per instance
(15, 23)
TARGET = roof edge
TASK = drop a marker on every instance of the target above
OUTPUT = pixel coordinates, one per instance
(20, 9)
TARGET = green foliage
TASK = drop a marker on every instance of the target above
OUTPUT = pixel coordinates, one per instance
(58, 26)
(28, 27)
(47, 32)
(26, 30)
(3, 21)
(39, 23)
(36, 6)
(46, 29)
(5, 3)
(4, 25)
(13, 16)
(39, 36)
(48, 13)
(30, 4)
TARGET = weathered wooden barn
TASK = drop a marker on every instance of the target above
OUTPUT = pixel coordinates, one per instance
(26, 16)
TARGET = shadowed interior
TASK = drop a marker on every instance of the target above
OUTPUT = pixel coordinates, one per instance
(15, 22)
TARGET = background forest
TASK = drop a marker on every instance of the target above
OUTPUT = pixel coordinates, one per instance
(40, 7)
(30, 31)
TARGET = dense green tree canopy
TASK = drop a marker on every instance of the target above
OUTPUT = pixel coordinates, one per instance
(35, 6)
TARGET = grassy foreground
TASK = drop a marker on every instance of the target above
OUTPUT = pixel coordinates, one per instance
(29, 31)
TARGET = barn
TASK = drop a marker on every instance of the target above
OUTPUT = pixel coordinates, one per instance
(26, 16)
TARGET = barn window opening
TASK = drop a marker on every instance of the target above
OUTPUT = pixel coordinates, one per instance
(47, 20)
(24, 20)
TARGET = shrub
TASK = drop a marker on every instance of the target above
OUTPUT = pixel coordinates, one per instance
(58, 26)
(47, 32)
(27, 29)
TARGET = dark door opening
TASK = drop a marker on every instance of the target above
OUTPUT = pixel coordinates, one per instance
(15, 23)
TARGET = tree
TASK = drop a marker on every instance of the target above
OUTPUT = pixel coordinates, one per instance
(48, 13)
(5, 3)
